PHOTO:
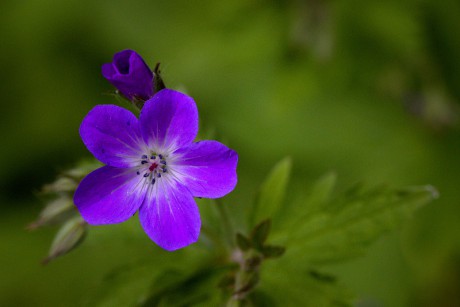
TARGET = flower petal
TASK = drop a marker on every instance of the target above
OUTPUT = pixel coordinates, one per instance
(109, 195)
(170, 216)
(207, 169)
(112, 135)
(169, 120)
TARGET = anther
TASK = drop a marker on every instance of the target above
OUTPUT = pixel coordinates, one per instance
(138, 173)
(146, 174)
(153, 181)
(144, 156)
(163, 162)
(153, 157)
(143, 162)
(160, 156)
(159, 175)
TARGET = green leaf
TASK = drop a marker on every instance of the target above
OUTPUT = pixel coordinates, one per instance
(350, 223)
(125, 286)
(272, 191)
(284, 283)
(163, 279)
(174, 288)
(321, 192)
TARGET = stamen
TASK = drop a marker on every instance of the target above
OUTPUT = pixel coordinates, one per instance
(155, 167)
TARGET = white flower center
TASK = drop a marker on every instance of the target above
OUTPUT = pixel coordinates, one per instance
(152, 166)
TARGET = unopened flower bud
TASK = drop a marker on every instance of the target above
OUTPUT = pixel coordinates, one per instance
(68, 237)
(55, 211)
(62, 184)
(130, 75)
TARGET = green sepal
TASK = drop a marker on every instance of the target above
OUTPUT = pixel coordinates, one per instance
(260, 234)
(243, 242)
(273, 251)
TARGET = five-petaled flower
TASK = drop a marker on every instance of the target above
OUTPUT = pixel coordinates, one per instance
(130, 75)
(154, 167)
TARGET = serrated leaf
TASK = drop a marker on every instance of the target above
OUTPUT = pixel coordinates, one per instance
(287, 284)
(198, 288)
(125, 286)
(272, 191)
(135, 283)
(346, 226)
(321, 192)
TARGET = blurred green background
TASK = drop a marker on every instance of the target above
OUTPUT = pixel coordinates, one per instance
(370, 90)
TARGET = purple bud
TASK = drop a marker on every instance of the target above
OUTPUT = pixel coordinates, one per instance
(130, 75)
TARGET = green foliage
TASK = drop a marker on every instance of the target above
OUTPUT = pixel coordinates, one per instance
(272, 191)
(345, 226)
(320, 193)
(343, 85)
(326, 227)
(125, 286)
(287, 285)
(323, 228)
(162, 279)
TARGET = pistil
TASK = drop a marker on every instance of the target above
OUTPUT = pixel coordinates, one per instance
(156, 164)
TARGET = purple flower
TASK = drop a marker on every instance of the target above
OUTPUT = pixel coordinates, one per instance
(130, 75)
(153, 166)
